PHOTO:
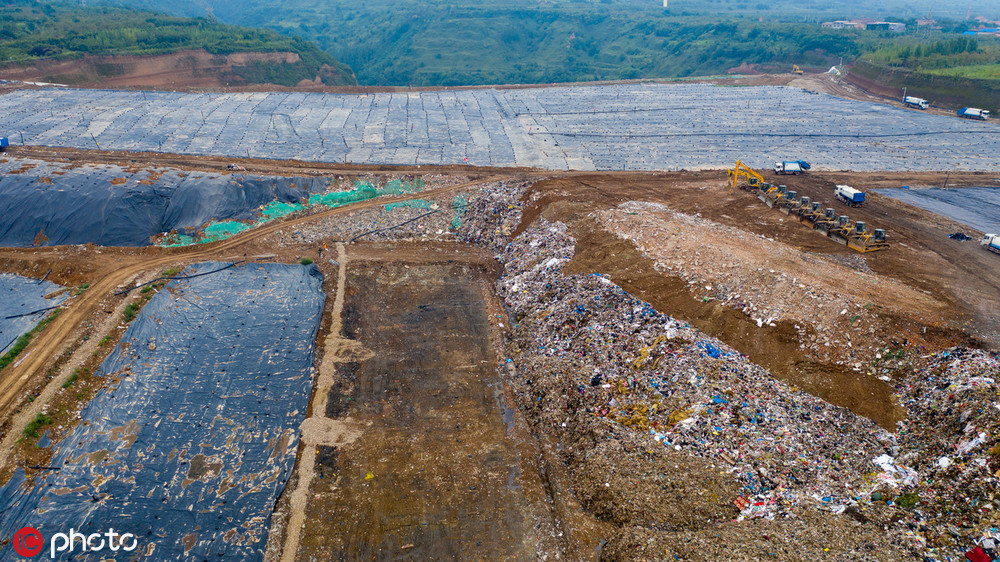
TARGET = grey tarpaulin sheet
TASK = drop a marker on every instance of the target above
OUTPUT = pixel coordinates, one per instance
(978, 207)
(20, 295)
(192, 444)
(606, 127)
(76, 205)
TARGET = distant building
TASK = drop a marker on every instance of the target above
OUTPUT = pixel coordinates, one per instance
(839, 25)
(665, 3)
(886, 26)
(984, 31)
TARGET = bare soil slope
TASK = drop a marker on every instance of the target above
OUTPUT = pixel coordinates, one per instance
(180, 70)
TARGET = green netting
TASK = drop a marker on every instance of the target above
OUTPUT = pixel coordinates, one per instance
(362, 191)
(412, 204)
(224, 229)
(278, 209)
(460, 204)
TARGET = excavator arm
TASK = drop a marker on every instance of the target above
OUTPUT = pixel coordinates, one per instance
(741, 170)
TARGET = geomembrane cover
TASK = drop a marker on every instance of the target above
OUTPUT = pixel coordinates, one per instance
(194, 438)
(647, 126)
(19, 296)
(111, 206)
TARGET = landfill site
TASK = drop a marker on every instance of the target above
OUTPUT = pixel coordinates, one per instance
(636, 321)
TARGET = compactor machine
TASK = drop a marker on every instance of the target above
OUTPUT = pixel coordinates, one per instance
(864, 241)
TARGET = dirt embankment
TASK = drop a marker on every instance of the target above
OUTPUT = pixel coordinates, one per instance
(180, 70)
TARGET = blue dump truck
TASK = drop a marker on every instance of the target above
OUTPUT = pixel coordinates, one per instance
(3, 144)
(974, 113)
(847, 194)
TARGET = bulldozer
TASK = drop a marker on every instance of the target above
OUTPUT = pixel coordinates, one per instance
(774, 195)
(826, 221)
(754, 180)
(864, 241)
(842, 229)
(789, 202)
(813, 213)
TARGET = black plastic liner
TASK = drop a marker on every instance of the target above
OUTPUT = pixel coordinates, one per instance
(52, 204)
(194, 440)
(19, 298)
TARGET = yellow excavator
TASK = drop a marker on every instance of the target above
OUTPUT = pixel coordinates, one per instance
(741, 170)
(796, 69)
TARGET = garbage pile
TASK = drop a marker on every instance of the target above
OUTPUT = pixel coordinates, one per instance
(949, 452)
(431, 218)
(586, 344)
(593, 365)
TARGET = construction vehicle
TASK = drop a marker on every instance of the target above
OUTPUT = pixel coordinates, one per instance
(805, 203)
(991, 242)
(862, 240)
(915, 102)
(796, 69)
(842, 229)
(826, 222)
(813, 213)
(789, 202)
(773, 195)
(974, 113)
(741, 170)
(847, 194)
(4, 143)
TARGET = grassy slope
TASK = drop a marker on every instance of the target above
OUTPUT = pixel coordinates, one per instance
(32, 30)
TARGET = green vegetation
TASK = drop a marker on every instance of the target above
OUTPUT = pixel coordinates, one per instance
(129, 313)
(425, 43)
(977, 71)
(446, 47)
(40, 421)
(23, 341)
(73, 376)
(306, 261)
(31, 30)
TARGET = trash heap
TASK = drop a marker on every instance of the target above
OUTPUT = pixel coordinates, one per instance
(602, 372)
(584, 344)
(949, 453)
(431, 218)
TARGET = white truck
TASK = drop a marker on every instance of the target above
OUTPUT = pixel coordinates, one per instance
(788, 168)
(847, 194)
(974, 113)
(915, 102)
(991, 242)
